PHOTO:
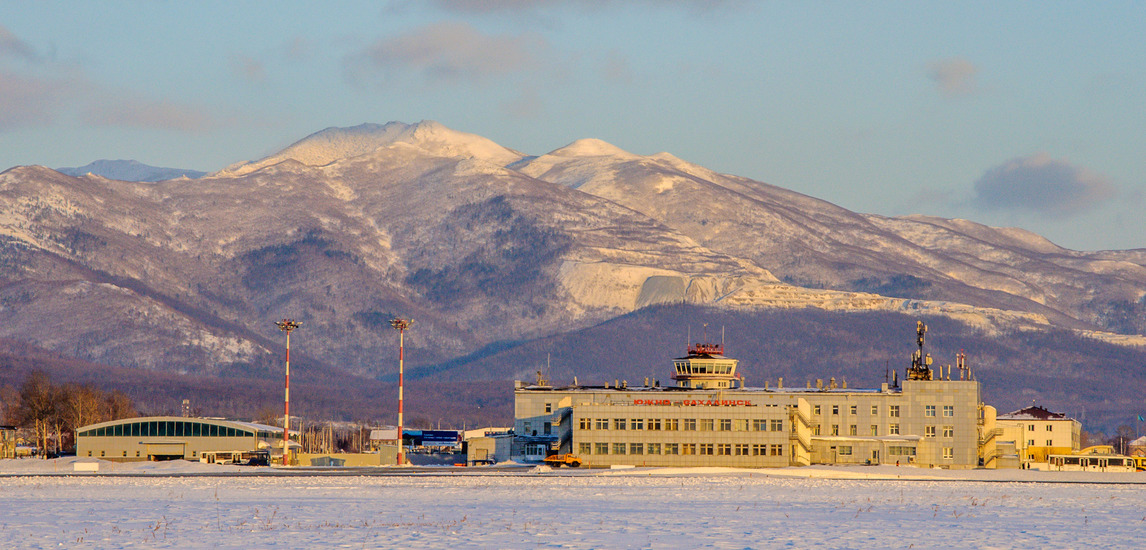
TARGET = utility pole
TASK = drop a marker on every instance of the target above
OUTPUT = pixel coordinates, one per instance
(287, 325)
(401, 325)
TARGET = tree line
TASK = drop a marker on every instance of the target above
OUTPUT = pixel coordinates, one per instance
(53, 411)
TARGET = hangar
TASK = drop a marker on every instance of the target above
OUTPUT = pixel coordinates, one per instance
(173, 437)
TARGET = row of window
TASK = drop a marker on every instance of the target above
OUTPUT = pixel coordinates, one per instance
(1031, 427)
(892, 410)
(175, 428)
(1031, 443)
(709, 449)
(684, 424)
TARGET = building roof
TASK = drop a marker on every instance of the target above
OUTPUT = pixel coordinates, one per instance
(1033, 413)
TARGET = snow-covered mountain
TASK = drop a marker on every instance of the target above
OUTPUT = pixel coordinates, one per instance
(481, 244)
(130, 170)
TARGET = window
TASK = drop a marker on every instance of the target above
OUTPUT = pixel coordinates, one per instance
(835, 429)
(688, 448)
(1030, 443)
(948, 410)
(893, 429)
(816, 410)
(874, 429)
(948, 431)
(777, 425)
(853, 409)
(619, 424)
(845, 450)
(654, 424)
(726, 424)
(549, 407)
(1050, 443)
(654, 448)
(929, 410)
(816, 430)
(759, 425)
(776, 450)
(672, 424)
(1050, 428)
(602, 423)
(618, 448)
(671, 449)
(741, 449)
(724, 449)
(893, 411)
(689, 424)
(706, 424)
(706, 449)
(602, 448)
(853, 430)
(901, 451)
(547, 428)
(585, 424)
(637, 424)
(948, 453)
(874, 410)
(636, 448)
(586, 448)
(835, 409)
(929, 431)
(740, 424)
(759, 449)
(1030, 427)
(125, 453)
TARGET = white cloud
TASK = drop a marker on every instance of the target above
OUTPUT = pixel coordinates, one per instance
(954, 77)
(1041, 185)
(450, 52)
(11, 46)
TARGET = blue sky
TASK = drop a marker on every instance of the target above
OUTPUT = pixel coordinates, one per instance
(1024, 114)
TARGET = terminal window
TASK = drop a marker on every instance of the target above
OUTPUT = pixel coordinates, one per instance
(893, 429)
(672, 424)
(725, 449)
(726, 424)
(602, 423)
(602, 448)
(706, 448)
(688, 448)
(777, 425)
(654, 424)
(893, 411)
(948, 452)
(636, 448)
(874, 429)
(816, 410)
(586, 448)
(585, 424)
(853, 409)
(929, 431)
(853, 430)
(759, 449)
(759, 424)
(618, 448)
(875, 409)
(835, 429)
(835, 409)
(929, 410)
(948, 431)
(948, 410)
(654, 448)
(619, 424)
(741, 449)
(776, 450)
(672, 448)
(637, 424)
(690, 424)
(706, 424)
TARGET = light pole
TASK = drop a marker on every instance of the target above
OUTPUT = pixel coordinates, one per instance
(287, 325)
(400, 325)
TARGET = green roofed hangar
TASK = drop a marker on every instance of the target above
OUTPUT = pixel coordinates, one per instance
(174, 437)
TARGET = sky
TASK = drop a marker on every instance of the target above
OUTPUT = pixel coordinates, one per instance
(1026, 114)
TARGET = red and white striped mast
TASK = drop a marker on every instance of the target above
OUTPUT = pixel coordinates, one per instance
(287, 325)
(400, 325)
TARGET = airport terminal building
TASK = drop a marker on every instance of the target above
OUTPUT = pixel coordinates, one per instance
(709, 419)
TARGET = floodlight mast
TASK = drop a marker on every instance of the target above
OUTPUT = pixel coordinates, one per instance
(401, 325)
(287, 325)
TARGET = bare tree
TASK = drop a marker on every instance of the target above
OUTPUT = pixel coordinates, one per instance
(38, 407)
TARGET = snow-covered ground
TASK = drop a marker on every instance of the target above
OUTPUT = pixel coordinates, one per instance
(653, 508)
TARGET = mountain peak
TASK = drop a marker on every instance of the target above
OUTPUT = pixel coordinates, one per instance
(590, 147)
(129, 170)
(335, 143)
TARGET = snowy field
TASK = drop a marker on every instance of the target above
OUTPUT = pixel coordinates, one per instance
(642, 508)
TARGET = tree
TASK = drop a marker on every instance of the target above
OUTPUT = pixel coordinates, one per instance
(38, 407)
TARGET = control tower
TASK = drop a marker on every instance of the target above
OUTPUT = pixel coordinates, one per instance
(706, 367)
